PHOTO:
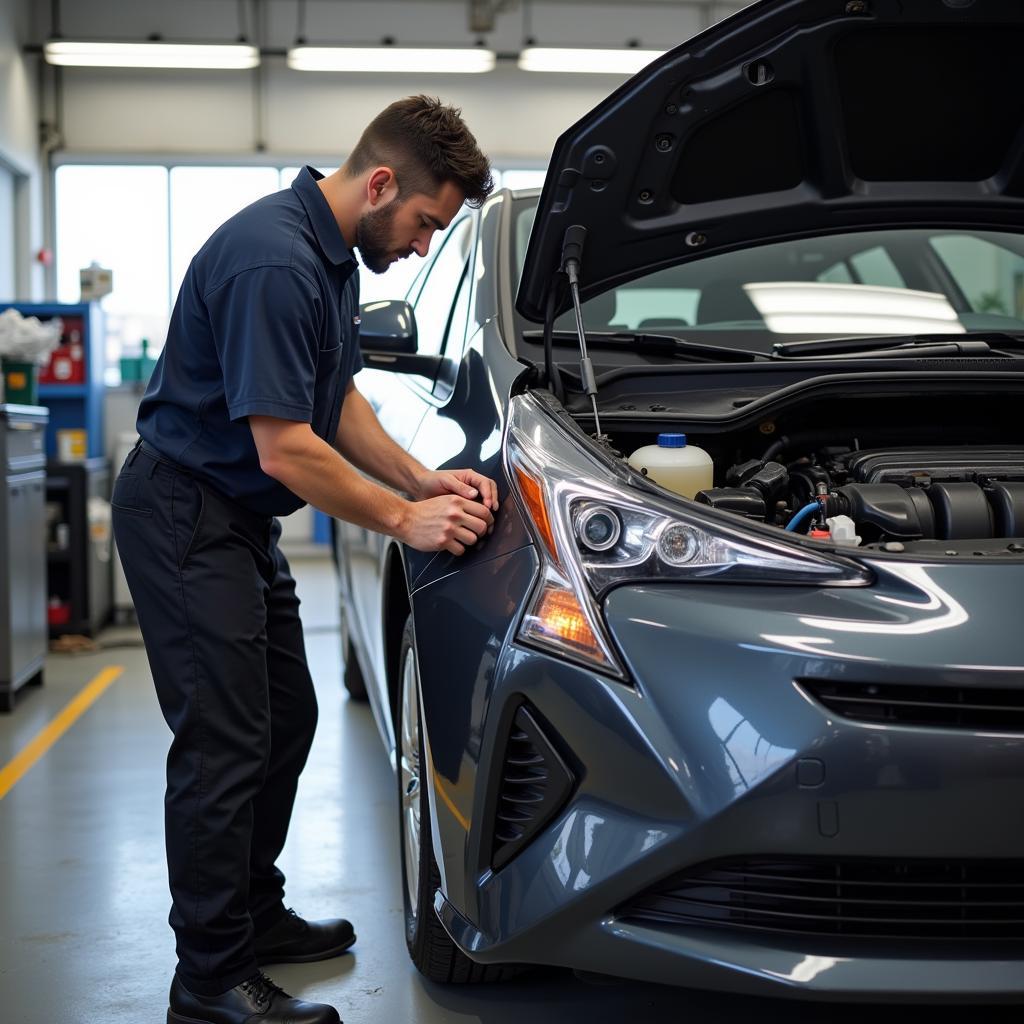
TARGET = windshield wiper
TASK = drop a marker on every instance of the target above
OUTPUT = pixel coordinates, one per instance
(978, 343)
(652, 344)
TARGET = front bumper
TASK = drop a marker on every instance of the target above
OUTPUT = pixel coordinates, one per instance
(715, 751)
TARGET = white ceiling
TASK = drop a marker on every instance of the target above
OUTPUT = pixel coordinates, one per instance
(274, 23)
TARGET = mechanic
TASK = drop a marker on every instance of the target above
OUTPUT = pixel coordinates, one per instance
(251, 413)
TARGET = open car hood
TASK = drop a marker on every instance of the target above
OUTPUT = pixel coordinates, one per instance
(791, 118)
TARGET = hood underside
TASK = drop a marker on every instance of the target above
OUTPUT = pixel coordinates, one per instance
(792, 118)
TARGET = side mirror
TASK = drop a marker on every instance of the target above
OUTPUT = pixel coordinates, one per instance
(388, 339)
(387, 326)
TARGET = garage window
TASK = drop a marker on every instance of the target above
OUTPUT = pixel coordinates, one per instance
(146, 222)
(117, 217)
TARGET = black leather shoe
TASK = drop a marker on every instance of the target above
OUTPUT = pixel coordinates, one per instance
(293, 940)
(256, 1001)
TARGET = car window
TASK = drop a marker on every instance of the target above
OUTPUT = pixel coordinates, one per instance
(654, 309)
(990, 276)
(873, 266)
(433, 305)
(436, 245)
(838, 273)
(897, 281)
(460, 315)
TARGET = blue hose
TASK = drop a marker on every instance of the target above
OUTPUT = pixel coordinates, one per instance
(802, 515)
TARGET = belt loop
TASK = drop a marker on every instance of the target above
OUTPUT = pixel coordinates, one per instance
(134, 453)
(152, 467)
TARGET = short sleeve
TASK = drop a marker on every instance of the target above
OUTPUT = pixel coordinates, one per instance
(265, 323)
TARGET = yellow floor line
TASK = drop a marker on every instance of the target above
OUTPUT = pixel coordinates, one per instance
(24, 759)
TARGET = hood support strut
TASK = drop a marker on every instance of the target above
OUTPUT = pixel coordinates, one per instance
(572, 259)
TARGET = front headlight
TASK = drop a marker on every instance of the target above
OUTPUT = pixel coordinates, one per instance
(595, 531)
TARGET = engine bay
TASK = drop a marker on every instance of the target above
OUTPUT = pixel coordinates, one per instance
(928, 472)
(889, 494)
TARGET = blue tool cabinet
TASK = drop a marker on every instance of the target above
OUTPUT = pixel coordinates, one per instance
(75, 405)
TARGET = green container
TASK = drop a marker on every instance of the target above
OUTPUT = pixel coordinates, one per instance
(131, 369)
(138, 369)
(20, 383)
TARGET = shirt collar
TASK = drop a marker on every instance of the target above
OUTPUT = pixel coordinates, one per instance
(325, 227)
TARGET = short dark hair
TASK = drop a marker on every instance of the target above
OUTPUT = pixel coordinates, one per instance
(427, 144)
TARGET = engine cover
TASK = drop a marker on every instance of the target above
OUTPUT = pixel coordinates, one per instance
(949, 493)
(910, 466)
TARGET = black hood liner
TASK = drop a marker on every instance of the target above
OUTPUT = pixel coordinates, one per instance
(792, 118)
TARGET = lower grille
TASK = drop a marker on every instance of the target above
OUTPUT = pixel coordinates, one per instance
(854, 898)
(987, 708)
(534, 784)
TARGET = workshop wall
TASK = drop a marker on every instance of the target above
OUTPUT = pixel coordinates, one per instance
(21, 190)
(514, 114)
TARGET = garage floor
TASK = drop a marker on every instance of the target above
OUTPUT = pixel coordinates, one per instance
(83, 898)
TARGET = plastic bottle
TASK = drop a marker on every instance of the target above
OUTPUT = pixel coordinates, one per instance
(675, 465)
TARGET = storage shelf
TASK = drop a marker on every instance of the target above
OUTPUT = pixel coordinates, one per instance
(79, 627)
(78, 575)
(63, 390)
(74, 404)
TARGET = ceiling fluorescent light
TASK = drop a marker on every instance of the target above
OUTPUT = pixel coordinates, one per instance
(411, 60)
(595, 62)
(94, 54)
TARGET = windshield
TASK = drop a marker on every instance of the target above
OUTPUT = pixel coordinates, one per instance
(899, 282)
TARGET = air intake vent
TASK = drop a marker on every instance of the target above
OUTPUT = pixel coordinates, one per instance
(535, 783)
(989, 708)
(855, 898)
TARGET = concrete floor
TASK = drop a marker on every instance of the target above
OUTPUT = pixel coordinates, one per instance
(83, 895)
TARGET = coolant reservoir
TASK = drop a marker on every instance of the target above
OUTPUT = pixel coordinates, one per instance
(676, 465)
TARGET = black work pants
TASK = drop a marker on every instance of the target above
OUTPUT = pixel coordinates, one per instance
(217, 607)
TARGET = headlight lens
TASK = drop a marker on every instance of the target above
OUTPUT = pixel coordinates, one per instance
(678, 544)
(598, 528)
(596, 532)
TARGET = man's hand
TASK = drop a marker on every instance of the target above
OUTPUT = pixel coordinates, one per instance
(445, 523)
(467, 483)
(444, 520)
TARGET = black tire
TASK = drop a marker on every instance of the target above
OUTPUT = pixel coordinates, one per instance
(430, 947)
(355, 684)
(352, 674)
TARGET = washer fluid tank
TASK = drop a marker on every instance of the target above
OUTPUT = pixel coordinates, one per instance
(675, 465)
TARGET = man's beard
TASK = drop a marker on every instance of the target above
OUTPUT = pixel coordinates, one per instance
(373, 237)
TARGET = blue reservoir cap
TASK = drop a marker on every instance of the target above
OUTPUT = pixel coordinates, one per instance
(671, 440)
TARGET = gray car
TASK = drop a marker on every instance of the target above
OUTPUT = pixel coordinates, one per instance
(767, 737)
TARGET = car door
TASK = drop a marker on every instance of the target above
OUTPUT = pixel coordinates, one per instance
(400, 402)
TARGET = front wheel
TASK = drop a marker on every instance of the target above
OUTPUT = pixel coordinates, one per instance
(430, 947)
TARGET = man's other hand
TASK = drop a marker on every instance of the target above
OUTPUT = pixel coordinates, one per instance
(445, 523)
(467, 483)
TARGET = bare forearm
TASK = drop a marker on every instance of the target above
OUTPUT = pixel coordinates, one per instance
(365, 443)
(314, 471)
(442, 520)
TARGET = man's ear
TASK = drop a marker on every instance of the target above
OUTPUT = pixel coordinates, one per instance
(381, 186)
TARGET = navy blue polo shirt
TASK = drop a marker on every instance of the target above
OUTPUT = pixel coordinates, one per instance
(266, 324)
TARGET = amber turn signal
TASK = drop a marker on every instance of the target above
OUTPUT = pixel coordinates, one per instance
(559, 616)
(533, 498)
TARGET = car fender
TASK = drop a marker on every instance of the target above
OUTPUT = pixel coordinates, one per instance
(464, 622)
